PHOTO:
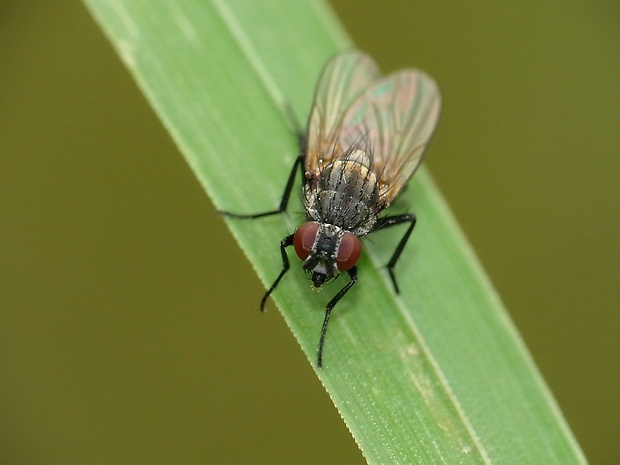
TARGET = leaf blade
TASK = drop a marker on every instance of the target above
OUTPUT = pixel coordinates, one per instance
(406, 394)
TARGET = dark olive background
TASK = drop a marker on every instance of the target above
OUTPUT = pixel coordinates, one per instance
(129, 328)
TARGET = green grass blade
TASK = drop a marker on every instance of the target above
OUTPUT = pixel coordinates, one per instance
(434, 375)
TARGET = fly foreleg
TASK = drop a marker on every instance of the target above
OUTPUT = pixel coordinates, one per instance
(328, 310)
(286, 264)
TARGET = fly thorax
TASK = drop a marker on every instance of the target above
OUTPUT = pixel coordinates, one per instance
(346, 194)
(350, 179)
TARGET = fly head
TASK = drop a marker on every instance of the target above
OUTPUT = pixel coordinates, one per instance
(326, 250)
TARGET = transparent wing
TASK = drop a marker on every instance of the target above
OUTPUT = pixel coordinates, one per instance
(343, 79)
(394, 119)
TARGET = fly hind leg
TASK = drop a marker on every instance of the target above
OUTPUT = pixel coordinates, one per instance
(285, 196)
(301, 139)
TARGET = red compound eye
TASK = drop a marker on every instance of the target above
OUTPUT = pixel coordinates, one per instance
(304, 239)
(349, 252)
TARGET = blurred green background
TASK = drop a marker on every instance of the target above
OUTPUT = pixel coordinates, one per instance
(129, 323)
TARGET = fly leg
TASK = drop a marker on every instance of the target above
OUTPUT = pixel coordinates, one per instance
(328, 310)
(387, 222)
(288, 240)
(286, 264)
(285, 196)
(301, 139)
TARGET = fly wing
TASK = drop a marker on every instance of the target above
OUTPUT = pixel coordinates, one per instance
(343, 79)
(395, 119)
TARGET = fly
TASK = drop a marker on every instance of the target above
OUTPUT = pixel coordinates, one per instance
(365, 138)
